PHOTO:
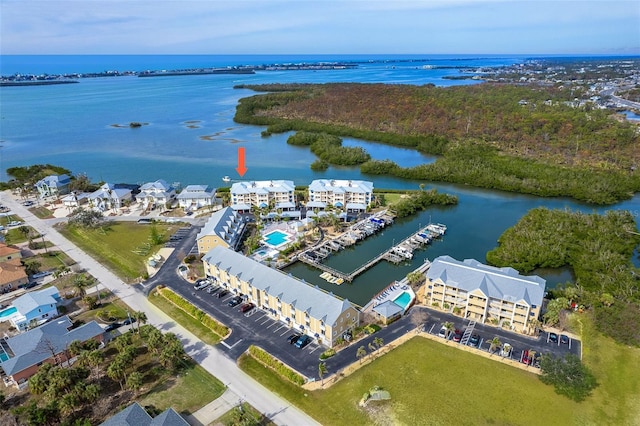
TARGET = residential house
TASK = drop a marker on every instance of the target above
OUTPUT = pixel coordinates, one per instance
(267, 194)
(9, 252)
(303, 307)
(155, 194)
(135, 415)
(53, 186)
(12, 275)
(486, 294)
(34, 308)
(347, 195)
(23, 354)
(109, 197)
(73, 200)
(194, 197)
(224, 228)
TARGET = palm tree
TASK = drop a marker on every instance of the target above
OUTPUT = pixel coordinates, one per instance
(494, 344)
(80, 282)
(361, 353)
(378, 342)
(322, 371)
(372, 348)
(449, 327)
(140, 317)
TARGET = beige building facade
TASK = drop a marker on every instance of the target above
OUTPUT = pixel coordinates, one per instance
(486, 294)
(304, 308)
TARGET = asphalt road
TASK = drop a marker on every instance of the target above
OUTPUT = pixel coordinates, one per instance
(281, 412)
(260, 329)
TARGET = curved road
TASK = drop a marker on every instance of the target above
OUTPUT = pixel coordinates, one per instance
(278, 410)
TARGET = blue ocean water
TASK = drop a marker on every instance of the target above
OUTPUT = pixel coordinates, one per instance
(190, 137)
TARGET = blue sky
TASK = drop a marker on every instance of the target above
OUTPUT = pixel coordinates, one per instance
(317, 27)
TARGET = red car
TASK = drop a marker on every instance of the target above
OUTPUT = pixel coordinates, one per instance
(247, 307)
(457, 335)
(525, 357)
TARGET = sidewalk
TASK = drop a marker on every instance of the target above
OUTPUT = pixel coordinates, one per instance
(215, 409)
(278, 410)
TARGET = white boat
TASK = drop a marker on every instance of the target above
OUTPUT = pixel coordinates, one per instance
(226, 179)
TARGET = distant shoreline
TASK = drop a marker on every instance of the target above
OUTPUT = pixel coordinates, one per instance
(35, 83)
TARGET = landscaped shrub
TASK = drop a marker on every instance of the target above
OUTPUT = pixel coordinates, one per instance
(269, 361)
(371, 328)
(328, 353)
(192, 310)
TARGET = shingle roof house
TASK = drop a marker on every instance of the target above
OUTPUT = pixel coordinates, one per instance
(35, 306)
(135, 415)
(196, 196)
(225, 227)
(53, 185)
(47, 343)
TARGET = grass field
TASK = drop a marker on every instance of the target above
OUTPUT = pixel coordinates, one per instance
(191, 390)
(249, 415)
(184, 319)
(434, 384)
(123, 247)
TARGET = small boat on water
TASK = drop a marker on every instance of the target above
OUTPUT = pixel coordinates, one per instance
(226, 179)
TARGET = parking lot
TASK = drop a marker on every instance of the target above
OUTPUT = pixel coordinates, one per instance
(544, 343)
(254, 327)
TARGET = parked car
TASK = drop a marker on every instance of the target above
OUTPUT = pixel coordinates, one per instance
(222, 293)
(212, 289)
(564, 339)
(474, 340)
(525, 357)
(112, 326)
(553, 338)
(303, 341)
(247, 307)
(443, 332)
(506, 350)
(293, 338)
(235, 301)
(457, 336)
(128, 321)
(202, 284)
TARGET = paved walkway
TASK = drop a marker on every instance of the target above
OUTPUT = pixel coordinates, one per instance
(215, 362)
(215, 409)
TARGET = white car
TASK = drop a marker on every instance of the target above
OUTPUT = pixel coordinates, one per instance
(443, 332)
(202, 284)
(506, 350)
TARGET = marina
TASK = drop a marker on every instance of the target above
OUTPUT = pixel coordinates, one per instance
(403, 251)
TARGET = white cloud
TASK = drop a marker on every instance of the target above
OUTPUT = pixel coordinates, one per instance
(346, 26)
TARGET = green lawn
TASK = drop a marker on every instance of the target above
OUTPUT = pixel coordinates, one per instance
(41, 212)
(617, 398)
(435, 384)
(248, 414)
(193, 388)
(123, 247)
(51, 260)
(187, 321)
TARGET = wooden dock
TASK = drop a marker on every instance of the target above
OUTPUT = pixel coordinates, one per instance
(393, 255)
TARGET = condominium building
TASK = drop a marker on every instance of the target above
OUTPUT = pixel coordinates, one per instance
(486, 294)
(278, 194)
(348, 195)
(305, 308)
(224, 228)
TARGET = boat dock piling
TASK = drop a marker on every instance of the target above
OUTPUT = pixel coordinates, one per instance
(396, 254)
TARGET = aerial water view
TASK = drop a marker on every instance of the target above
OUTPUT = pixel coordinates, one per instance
(319, 213)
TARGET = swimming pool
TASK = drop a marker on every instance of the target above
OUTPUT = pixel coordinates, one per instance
(403, 300)
(276, 238)
(3, 357)
(8, 312)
